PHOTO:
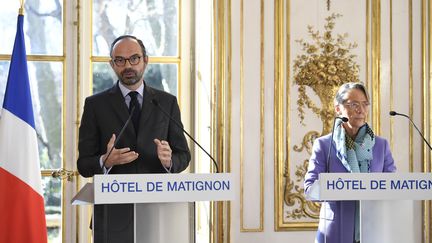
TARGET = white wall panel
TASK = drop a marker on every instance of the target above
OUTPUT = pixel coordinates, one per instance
(401, 81)
(251, 114)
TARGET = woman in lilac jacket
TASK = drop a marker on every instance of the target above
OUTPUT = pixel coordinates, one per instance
(355, 149)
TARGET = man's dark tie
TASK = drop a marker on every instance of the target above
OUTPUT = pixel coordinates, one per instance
(136, 113)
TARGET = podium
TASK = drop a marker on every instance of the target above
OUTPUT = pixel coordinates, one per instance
(387, 201)
(161, 202)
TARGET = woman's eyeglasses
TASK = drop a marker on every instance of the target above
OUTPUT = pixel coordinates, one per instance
(356, 105)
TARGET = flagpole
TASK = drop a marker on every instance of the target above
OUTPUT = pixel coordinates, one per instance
(21, 9)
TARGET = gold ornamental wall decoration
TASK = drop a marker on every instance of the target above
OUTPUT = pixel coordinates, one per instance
(325, 64)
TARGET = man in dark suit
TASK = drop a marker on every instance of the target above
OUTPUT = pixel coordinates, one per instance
(151, 143)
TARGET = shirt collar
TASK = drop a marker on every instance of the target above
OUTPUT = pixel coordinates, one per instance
(125, 91)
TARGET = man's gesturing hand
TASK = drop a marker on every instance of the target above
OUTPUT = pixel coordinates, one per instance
(164, 152)
(118, 156)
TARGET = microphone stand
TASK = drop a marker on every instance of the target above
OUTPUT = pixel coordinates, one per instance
(118, 138)
(156, 103)
(344, 119)
(105, 206)
(394, 113)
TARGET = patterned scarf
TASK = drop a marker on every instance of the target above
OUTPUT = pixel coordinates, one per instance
(355, 155)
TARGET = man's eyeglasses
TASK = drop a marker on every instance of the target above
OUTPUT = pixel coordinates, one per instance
(121, 61)
(356, 105)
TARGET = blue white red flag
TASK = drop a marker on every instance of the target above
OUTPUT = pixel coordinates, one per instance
(21, 199)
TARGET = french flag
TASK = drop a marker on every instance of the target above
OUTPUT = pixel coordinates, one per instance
(22, 217)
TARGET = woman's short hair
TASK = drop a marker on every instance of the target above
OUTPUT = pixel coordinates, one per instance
(345, 88)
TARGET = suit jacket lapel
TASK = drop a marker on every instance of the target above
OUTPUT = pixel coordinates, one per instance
(147, 106)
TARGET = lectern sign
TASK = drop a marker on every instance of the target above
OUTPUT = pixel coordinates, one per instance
(146, 188)
(375, 186)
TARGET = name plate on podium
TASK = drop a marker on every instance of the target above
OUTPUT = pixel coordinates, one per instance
(375, 186)
(152, 188)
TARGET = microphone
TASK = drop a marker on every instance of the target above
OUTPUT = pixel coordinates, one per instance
(344, 119)
(156, 103)
(394, 113)
(118, 137)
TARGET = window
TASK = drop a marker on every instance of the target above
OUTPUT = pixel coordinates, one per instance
(156, 23)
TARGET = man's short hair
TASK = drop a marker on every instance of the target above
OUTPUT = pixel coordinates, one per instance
(143, 49)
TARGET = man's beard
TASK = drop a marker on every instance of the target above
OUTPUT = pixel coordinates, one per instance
(126, 78)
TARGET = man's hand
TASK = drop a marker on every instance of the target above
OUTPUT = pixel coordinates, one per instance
(118, 156)
(164, 152)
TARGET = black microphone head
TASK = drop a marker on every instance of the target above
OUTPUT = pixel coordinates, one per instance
(393, 113)
(155, 102)
(344, 119)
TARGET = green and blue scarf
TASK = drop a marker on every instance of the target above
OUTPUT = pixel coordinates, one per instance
(355, 155)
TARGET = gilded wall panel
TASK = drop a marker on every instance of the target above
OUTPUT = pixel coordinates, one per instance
(323, 50)
(380, 43)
